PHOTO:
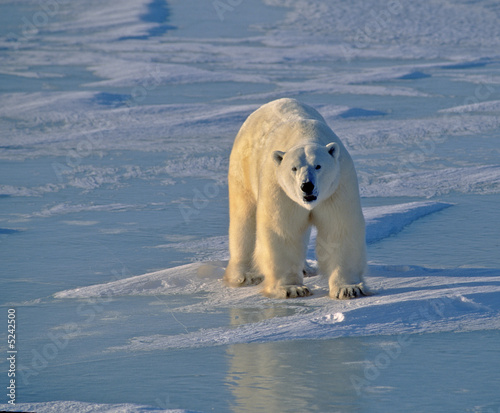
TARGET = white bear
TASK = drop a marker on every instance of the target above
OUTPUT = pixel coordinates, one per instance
(288, 171)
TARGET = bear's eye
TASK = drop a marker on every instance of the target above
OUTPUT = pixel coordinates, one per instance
(318, 166)
(294, 169)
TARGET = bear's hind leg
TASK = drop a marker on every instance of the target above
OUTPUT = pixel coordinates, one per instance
(240, 275)
(240, 270)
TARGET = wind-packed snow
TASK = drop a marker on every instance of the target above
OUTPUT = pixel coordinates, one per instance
(116, 125)
(80, 407)
(407, 298)
(382, 222)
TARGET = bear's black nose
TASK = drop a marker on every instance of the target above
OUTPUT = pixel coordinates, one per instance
(307, 187)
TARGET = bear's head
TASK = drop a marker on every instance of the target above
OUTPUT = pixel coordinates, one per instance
(308, 173)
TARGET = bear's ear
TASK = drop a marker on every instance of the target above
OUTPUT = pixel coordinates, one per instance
(278, 157)
(333, 149)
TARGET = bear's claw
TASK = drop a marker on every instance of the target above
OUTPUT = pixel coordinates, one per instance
(287, 291)
(243, 280)
(346, 292)
(253, 279)
(293, 291)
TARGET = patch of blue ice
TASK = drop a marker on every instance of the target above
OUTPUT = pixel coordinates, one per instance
(158, 12)
(414, 76)
(360, 113)
(8, 231)
(110, 99)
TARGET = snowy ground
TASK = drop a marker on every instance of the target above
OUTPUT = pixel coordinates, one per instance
(116, 124)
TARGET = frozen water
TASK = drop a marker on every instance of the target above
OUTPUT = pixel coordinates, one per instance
(116, 124)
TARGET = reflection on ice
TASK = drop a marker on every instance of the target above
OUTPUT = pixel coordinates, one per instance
(275, 377)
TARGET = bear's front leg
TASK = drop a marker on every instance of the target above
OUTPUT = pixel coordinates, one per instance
(343, 258)
(280, 256)
(346, 282)
(282, 272)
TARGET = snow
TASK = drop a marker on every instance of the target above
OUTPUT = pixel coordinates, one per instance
(491, 106)
(456, 308)
(381, 222)
(116, 128)
(407, 298)
(80, 407)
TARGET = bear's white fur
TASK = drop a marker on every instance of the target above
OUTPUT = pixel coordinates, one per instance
(288, 171)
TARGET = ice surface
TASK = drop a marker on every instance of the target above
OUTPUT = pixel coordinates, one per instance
(80, 407)
(116, 127)
(408, 299)
(381, 222)
(491, 106)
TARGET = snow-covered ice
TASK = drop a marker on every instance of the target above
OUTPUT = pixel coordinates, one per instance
(407, 298)
(116, 124)
(80, 407)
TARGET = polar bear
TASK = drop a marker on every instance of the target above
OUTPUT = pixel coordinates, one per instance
(288, 171)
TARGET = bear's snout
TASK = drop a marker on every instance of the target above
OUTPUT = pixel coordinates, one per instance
(307, 187)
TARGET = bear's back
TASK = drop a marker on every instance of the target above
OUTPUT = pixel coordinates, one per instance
(289, 110)
(276, 126)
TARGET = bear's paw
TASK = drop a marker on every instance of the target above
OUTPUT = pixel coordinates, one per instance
(253, 279)
(346, 292)
(242, 280)
(288, 291)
